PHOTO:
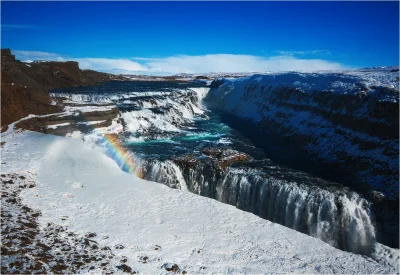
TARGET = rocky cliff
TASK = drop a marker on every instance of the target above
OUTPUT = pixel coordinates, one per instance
(25, 86)
(349, 122)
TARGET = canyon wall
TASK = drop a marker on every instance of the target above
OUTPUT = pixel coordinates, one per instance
(347, 123)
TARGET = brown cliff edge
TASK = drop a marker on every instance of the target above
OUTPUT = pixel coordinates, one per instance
(25, 86)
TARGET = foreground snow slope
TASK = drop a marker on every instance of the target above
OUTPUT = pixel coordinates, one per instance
(200, 235)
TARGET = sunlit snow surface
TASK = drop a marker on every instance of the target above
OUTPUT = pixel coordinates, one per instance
(200, 235)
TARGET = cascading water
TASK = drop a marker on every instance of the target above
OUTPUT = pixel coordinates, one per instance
(338, 217)
(165, 172)
(162, 123)
(343, 220)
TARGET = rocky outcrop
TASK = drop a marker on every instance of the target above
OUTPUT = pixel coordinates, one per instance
(216, 83)
(223, 158)
(25, 86)
(216, 158)
(64, 123)
(204, 172)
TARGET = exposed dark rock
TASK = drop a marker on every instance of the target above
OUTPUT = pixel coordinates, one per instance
(126, 269)
(124, 259)
(216, 83)
(24, 87)
(91, 235)
(225, 157)
(187, 161)
(171, 267)
(218, 158)
(144, 259)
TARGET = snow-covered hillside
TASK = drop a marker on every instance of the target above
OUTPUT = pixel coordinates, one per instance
(349, 120)
(154, 229)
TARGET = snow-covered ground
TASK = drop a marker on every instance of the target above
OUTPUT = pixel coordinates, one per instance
(79, 187)
(371, 73)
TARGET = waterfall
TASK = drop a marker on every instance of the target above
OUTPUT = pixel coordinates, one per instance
(338, 217)
(151, 112)
(165, 114)
(341, 219)
(129, 96)
(96, 97)
(335, 215)
(165, 172)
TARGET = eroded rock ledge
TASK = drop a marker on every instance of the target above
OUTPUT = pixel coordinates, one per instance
(83, 118)
(218, 159)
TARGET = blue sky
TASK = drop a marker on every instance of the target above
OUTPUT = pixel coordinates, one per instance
(204, 36)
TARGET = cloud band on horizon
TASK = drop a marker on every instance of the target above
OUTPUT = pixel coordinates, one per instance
(209, 63)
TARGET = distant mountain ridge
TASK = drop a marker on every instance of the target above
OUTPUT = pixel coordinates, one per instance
(25, 86)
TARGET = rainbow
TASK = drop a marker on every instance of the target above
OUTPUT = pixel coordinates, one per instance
(119, 154)
(122, 156)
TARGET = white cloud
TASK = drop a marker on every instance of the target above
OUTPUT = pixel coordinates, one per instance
(237, 63)
(191, 64)
(106, 64)
(100, 64)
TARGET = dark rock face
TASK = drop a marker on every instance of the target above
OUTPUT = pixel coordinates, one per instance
(223, 158)
(210, 167)
(217, 158)
(216, 83)
(24, 87)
